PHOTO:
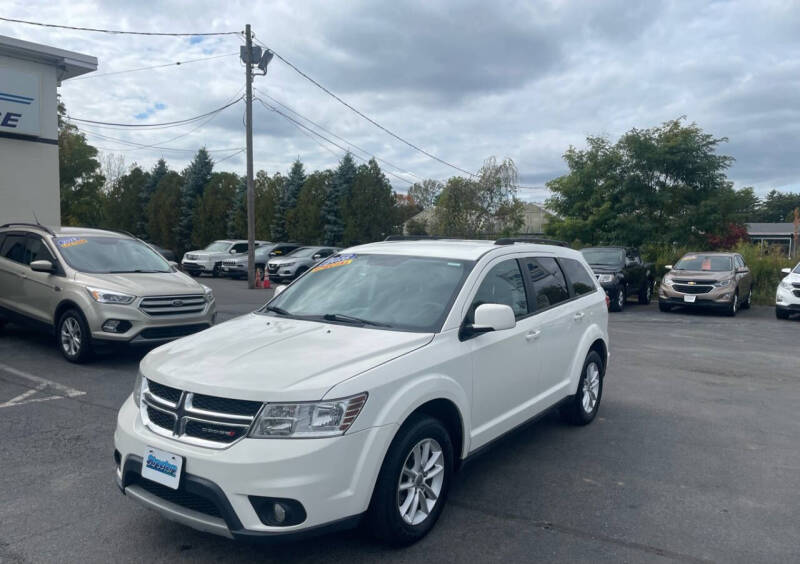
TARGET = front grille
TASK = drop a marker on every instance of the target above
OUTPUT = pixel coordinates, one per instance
(173, 305)
(686, 289)
(181, 497)
(172, 332)
(272, 267)
(797, 293)
(229, 263)
(796, 284)
(197, 418)
(225, 405)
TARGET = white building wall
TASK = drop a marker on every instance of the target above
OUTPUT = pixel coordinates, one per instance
(29, 166)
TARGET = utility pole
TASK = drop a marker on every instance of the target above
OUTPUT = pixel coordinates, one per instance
(251, 197)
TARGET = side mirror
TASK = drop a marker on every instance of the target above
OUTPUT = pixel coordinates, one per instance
(280, 288)
(490, 317)
(744, 270)
(786, 270)
(233, 252)
(668, 266)
(42, 266)
(317, 256)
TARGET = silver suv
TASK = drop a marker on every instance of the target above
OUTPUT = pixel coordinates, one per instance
(209, 260)
(92, 287)
(297, 262)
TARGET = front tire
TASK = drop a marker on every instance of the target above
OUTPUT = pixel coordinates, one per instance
(781, 313)
(73, 337)
(734, 307)
(748, 300)
(666, 308)
(581, 408)
(413, 483)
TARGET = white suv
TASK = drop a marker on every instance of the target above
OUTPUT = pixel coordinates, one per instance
(362, 387)
(787, 296)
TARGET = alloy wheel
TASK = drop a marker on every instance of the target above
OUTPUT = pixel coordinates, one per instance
(420, 482)
(591, 387)
(71, 336)
(621, 298)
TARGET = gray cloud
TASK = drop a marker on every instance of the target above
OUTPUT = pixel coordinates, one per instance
(464, 80)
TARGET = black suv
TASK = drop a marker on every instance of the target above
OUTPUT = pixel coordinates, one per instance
(622, 273)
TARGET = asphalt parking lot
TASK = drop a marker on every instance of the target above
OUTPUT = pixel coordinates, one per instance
(694, 457)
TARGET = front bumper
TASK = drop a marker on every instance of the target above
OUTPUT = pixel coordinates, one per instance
(788, 300)
(234, 269)
(332, 478)
(198, 267)
(144, 328)
(716, 298)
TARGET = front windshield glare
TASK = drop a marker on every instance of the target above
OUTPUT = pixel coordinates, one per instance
(217, 247)
(710, 263)
(384, 291)
(107, 255)
(609, 257)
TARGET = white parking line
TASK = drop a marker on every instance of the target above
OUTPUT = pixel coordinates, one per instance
(42, 384)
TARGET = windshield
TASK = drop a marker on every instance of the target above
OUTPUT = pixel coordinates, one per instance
(605, 257)
(797, 269)
(108, 255)
(710, 263)
(303, 252)
(385, 291)
(217, 247)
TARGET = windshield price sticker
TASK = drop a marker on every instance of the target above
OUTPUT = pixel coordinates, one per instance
(71, 242)
(333, 262)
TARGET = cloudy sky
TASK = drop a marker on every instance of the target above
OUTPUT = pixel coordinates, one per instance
(463, 80)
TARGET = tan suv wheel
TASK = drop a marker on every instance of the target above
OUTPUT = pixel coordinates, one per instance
(73, 336)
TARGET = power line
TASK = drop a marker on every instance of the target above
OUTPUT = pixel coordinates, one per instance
(299, 124)
(176, 63)
(155, 125)
(140, 146)
(239, 152)
(369, 119)
(384, 161)
(119, 32)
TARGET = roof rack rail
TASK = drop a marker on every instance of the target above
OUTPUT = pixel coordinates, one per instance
(537, 240)
(36, 225)
(121, 232)
(417, 238)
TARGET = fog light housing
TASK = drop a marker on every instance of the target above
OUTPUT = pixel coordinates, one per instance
(278, 512)
(116, 326)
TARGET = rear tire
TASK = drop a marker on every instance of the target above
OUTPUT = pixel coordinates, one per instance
(395, 516)
(618, 301)
(746, 302)
(666, 308)
(781, 313)
(581, 408)
(73, 337)
(646, 293)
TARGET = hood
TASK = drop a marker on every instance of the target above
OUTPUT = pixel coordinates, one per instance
(144, 284)
(700, 274)
(267, 358)
(605, 268)
(286, 259)
(792, 278)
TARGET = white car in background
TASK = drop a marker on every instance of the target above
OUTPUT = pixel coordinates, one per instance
(209, 260)
(787, 297)
(358, 390)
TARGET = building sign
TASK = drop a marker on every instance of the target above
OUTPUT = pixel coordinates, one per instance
(19, 102)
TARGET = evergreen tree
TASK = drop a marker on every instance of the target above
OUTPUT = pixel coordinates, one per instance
(294, 185)
(210, 215)
(162, 211)
(195, 178)
(159, 171)
(122, 209)
(369, 209)
(339, 191)
(268, 190)
(279, 216)
(236, 221)
(308, 227)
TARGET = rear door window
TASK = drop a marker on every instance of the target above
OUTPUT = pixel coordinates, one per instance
(580, 281)
(547, 281)
(14, 247)
(240, 248)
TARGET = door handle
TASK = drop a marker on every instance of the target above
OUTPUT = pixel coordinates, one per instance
(533, 335)
(578, 316)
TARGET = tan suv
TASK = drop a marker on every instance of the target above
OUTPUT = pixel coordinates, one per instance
(93, 287)
(718, 280)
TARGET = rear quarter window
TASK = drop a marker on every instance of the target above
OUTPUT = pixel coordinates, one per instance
(578, 278)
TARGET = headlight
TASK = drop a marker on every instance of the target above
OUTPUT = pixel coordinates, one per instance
(308, 420)
(722, 283)
(605, 278)
(109, 297)
(138, 389)
(285, 264)
(209, 293)
(667, 281)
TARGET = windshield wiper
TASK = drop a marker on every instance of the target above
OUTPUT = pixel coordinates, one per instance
(137, 271)
(278, 310)
(343, 318)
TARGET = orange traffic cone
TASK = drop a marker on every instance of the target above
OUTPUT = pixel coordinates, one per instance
(266, 284)
(258, 278)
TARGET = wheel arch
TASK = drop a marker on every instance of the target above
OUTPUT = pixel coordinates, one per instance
(593, 340)
(63, 306)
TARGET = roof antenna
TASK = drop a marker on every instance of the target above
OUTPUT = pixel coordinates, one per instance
(36, 218)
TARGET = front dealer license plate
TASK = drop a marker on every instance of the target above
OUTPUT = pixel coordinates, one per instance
(162, 467)
(689, 299)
